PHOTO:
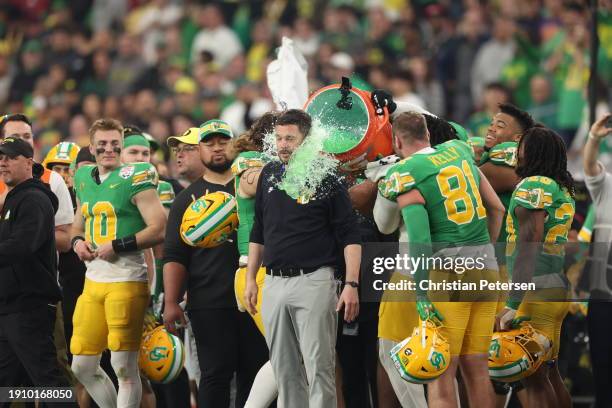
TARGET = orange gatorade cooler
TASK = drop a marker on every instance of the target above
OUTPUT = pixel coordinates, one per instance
(351, 120)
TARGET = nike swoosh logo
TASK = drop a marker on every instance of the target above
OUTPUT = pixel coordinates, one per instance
(114, 185)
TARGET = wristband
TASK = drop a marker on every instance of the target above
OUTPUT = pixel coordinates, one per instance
(352, 284)
(75, 240)
(126, 244)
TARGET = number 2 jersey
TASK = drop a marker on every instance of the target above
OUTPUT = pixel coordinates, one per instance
(109, 212)
(542, 193)
(448, 180)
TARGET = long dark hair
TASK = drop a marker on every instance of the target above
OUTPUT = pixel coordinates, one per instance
(544, 154)
(252, 139)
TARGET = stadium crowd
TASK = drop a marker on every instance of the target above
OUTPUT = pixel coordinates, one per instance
(185, 85)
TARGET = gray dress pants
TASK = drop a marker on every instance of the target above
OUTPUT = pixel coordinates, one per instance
(299, 317)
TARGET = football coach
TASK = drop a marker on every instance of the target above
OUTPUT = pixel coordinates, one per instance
(299, 244)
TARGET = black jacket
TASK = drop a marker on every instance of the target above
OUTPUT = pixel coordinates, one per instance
(28, 260)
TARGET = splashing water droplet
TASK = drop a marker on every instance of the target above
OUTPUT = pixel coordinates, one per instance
(308, 166)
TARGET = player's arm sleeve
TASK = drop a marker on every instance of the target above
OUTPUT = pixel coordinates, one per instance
(416, 220)
(504, 154)
(533, 194)
(587, 227)
(64, 214)
(175, 250)
(166, 194)
(28, 235)
(387, 215)
(145, 177)
(398, 181)
(257, 232)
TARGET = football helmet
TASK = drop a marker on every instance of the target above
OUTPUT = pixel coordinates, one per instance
(61, 153)
(161, 355)
(424, 356)
(517, 353)
(210, 220)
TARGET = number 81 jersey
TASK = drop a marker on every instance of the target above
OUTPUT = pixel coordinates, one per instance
(109, 213)
(448, 180)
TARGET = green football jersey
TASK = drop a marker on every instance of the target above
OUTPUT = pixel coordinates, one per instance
(165, 193)
(448, 180)
(542, 193)
(245, 206)
(107, 208)
(504, 154)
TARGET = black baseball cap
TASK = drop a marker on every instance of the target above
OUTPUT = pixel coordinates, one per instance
(13, 147)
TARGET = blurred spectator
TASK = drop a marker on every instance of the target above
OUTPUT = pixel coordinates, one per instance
(247, 108)
(493, 55)
(306, 38)
(543, 107)
(215, 37)
(341, 65)
(7, 72)
(257, 55)
(383, 44)
(494, 94)
(29, 71)
(427, 86)
(127, 66)
(97, 81)
(402, 86)
(471, 35)
(62, 53)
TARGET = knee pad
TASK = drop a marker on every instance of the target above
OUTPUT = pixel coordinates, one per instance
(125, 365)
(114, 342)
(76, 345)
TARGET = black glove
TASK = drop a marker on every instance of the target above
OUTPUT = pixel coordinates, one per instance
(382, 98)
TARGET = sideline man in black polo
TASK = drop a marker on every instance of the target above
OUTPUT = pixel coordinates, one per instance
(298, 244)
(227, 340)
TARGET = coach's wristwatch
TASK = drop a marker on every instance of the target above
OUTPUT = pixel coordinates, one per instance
(352, 284)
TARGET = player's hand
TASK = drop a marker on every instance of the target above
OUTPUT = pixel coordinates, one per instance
(378, 169)
(84, 250)
(106, 252)
(349, 299)
(250, 296)
(381, 99)
(427, 310)
(174, 317)
(601, 128)
(507, 320)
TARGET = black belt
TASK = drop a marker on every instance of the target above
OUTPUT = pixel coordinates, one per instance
(289, 272)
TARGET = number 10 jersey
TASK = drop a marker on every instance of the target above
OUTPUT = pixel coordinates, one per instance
(109, 213)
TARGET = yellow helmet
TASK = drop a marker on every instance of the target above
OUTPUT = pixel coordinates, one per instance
(422, 357)
(62, 153)
(161, 356)
(517, 353)
(210, 220)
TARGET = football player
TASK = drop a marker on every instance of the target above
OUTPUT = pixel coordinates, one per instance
(497, 163)
(119, 215)
(438, 193)
(541, 210)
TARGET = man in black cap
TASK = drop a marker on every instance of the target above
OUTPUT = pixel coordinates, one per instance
(28, 265)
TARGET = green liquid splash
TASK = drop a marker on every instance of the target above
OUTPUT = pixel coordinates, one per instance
(308, 166)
